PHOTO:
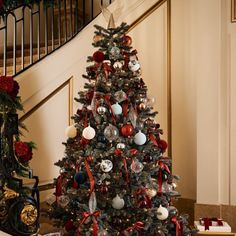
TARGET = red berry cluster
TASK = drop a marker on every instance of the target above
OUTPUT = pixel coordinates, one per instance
(23, 151)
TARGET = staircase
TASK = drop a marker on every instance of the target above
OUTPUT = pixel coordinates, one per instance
(30, 33)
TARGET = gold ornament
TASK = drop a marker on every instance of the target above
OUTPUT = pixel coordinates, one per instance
(9, 193)
(142, 106)
(97, 38)
(29, 214)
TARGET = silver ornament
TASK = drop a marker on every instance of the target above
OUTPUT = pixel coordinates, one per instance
(101, 110)
(120, 96)
(120, 146)
(106, 165)
(118, 65)
(134, 65)
(114, 52)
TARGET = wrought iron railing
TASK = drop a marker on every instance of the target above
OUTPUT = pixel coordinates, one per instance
(29, 33)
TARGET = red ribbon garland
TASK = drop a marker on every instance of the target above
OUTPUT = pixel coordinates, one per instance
(177, 225)
(138, 226)
(208, 222)
(153, 139)
(91, 179)
(86, 215)
(162, 166)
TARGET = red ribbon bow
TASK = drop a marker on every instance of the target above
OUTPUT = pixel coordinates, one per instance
(162, 166)
(208, 222)
(86, 215)
(138, 226)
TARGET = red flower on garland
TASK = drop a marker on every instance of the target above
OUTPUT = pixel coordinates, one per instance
(15, 89)
(6, 84)
(23, 151)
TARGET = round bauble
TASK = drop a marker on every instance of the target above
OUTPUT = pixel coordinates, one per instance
(106, 165)
(111, 132)
(80, 177)
(127, 40)
(89, 133)
(127, 130)
(140, 138)
(120, 146)
(97, 38)
(134, 65)
(98, 56)
(141, 106)
(120, 96)
(118, 65)
(162, 213)
(173, 211)
(117, 202)
(114, 52)
(137, 166)
(71, 131)
(101, 110)
(116, 108)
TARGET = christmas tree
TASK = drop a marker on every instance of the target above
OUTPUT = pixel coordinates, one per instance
(19, 204)
(114, 178)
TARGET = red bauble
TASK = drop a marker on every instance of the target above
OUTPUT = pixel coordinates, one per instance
(69, 225)
(98, 56)
(162, 144)
(127, 40)
(127, 130)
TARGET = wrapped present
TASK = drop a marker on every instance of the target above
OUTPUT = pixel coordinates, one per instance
(212, 225)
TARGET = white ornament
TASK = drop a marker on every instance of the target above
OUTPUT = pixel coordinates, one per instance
(120, 146)
(117, 65)
(137, 167)
(116, 108)
(140, 138)
(71, 131)
(89, 133)
(134, 65)
(106, 165)
(162, 213)
(117, 202)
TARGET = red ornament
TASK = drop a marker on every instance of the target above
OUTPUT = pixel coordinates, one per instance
(6, 84)
(127, 130)
(127, 40)
(98, 56)
(162, 144)
(23, 151)
(103, 189)
(69, 225)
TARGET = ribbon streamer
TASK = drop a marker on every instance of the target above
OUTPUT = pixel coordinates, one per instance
(91, 179)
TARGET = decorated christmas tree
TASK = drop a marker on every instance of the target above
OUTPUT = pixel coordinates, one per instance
(114, 178)
(19, 204)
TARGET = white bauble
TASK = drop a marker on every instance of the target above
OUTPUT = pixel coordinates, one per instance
(116, 108)
(89, 133)
(117, 202)
(134, 65)
(71, 131)
(106, 165)
(162, 213)
(140, 138)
